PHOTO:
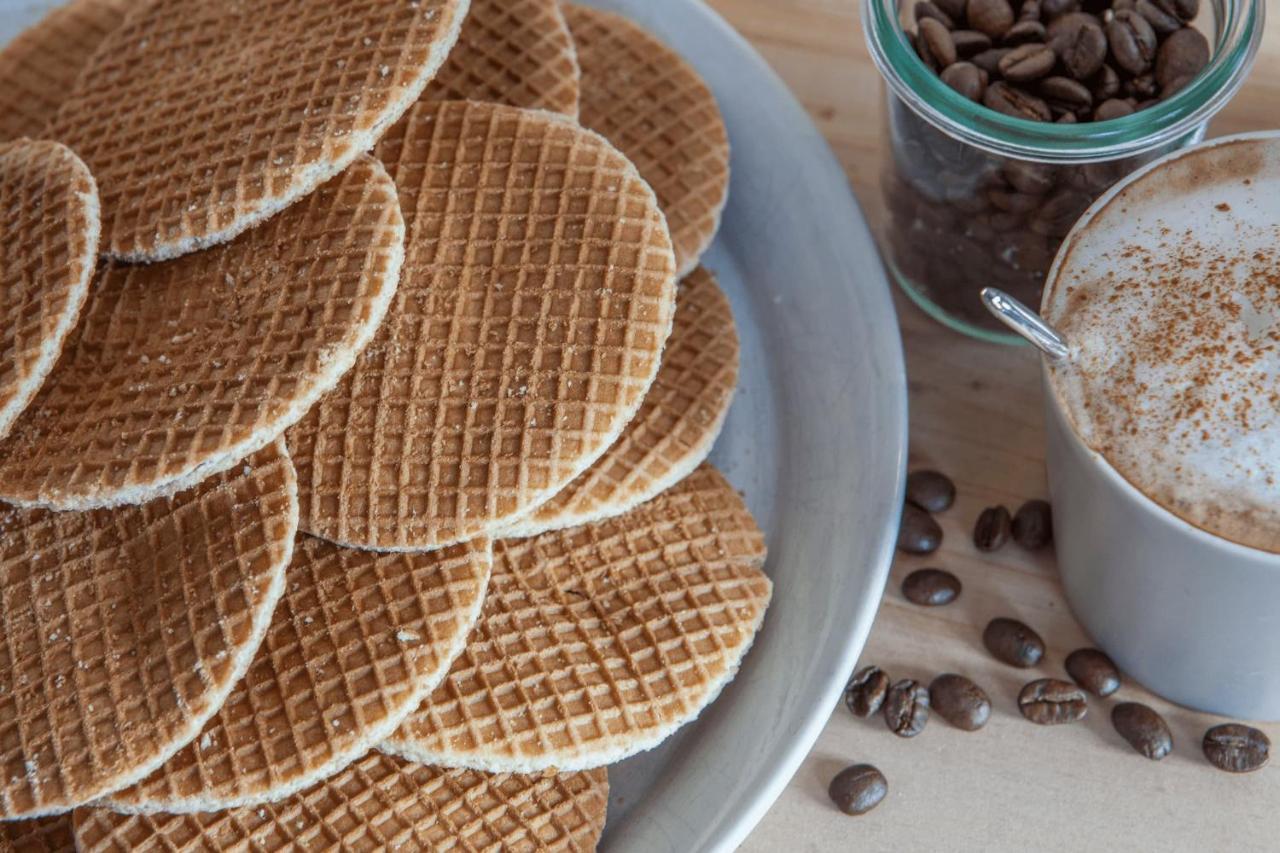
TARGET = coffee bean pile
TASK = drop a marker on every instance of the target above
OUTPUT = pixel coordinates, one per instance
(962, 219)
(906, 705)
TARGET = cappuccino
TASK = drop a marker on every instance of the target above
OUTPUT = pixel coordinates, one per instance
(1168, 295)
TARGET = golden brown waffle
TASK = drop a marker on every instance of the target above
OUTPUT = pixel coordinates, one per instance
(537, 294)
(40, 66)
(599, 641)
(380, 803)
(48, 245)
(200, 120)
(678, 422)
(650, 103)
(358, 640)
(39, 835)
(124, 630)
(515, 52)
(179, 370)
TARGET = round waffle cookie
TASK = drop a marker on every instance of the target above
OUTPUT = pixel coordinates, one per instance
(179, 370)
(200, 120)
(650, 103)
(40, 66)
(124, 630)
(599, 641)
(515, 52)
(380, 803)
(538, 291)
(48, 245)
(39, 835)
(678, 422)
(358, 640)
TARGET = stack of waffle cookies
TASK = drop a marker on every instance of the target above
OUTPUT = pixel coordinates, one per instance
(357, 378)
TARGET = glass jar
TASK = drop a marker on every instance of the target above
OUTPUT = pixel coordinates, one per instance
(977, 198)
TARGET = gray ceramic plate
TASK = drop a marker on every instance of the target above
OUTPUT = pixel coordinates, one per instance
(816, 440)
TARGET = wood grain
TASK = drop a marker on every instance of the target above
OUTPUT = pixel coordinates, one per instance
(976, 414)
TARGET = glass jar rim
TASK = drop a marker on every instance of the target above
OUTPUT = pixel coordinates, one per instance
(924, 92)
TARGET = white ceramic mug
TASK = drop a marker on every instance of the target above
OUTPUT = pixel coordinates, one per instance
(1190, 615)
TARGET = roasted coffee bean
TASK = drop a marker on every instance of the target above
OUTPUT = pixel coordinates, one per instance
(936, 38)
(953, 8)
(960, 702)
(1033, 525)
(858, 789)
(1050, 702)
(1141, 88)
(992, 17)
(1028, 62)
(1144, 729)
(1094, 671)
(1050, 9)
(1030, 11)
(865, 692)
(1161, 21)
(1067, 118)
(1183, 54)
(931, 587)
(1012, 642)
(1059, 212)
(1023, 32)
(969, 42)
(992, 529)
(1174, 86)
(1236, 748)
(931, 490)
(989, 60)
(967, 79)
(1065, 95)
(906, 708)
(926, 9)
(1185, 10)
(1003, 98)
(1133, 43)
(1013, 202)
(1113, 108)
(1081, 45)
(919, 533)
(1027, 177)
(1104, 84)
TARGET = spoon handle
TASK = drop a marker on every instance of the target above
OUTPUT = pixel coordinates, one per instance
(1025, 322)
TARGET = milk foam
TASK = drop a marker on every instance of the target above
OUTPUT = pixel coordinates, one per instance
(1172, 312)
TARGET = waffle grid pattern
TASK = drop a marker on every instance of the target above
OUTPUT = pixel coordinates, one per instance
(515, 52)
(124, 630)
(677, 423)
(380, 803)
(645, 99)
(49, 219)
(355, 644)
(200, 120)
(599, 641)
(179, 370)
(537, 295)
(39, 835)
(39, 68)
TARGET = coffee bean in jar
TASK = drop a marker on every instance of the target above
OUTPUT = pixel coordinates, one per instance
(1006, 119)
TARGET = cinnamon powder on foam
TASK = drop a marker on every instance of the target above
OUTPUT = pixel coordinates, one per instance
(1175, 377)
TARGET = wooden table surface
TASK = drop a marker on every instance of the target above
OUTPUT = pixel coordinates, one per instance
(975, 414)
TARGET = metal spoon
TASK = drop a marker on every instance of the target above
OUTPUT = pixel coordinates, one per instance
(1025, 322)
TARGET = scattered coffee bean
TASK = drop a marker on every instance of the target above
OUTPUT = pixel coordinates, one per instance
(1012, 642)
(1236, 748)
(1133, 43)
(1185, 53)
(919, 533)
(1113, 108)
(1081, 45)
(991, 17)
(992, 529)
(858, 789)
(1050, 702)
(930, 490)
(906, 708)
(1033, 525)
(959, 701)
(1094, 671)
(931, 587)
(865, 692)
(935, 39)
(1144, 729)
(1027, 62)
